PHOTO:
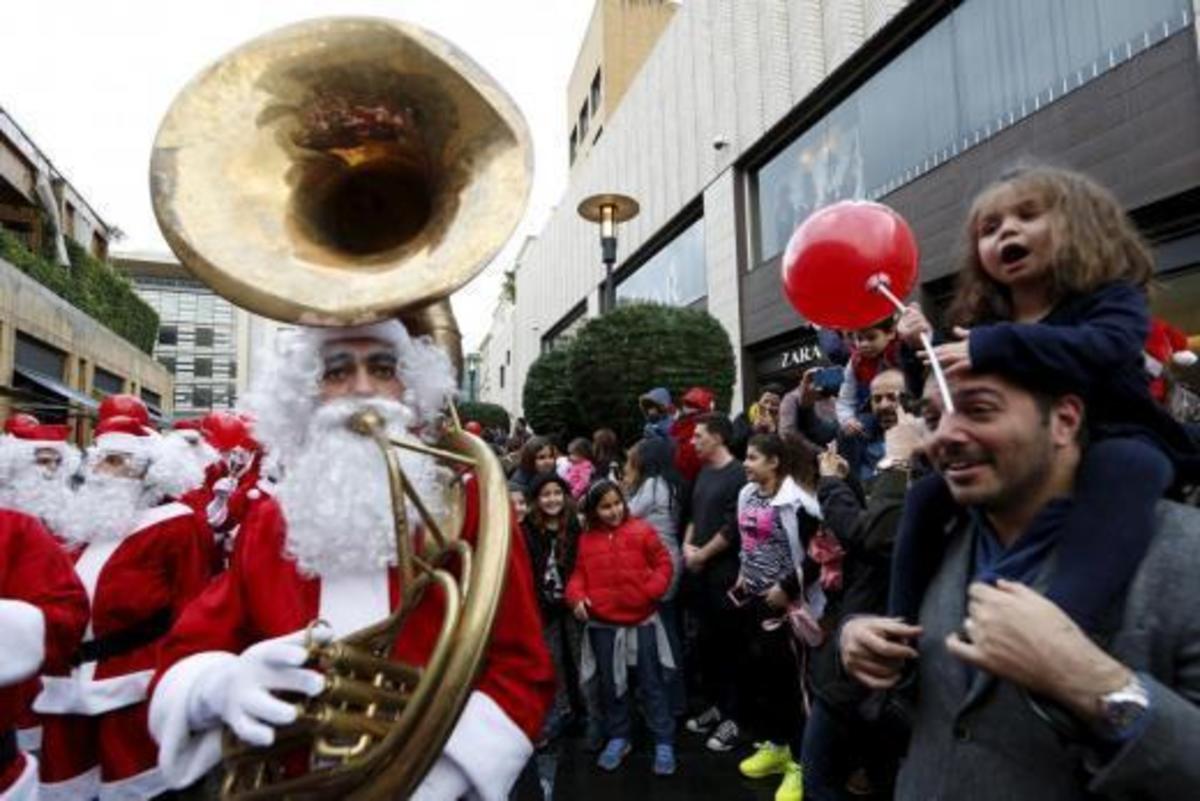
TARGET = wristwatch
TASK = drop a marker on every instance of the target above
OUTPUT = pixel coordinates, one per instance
(1121, 709)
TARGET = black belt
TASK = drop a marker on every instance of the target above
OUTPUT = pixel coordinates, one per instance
(125, 640)
(8, 749)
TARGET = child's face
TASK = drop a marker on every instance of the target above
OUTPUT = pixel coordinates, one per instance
(611, 510)
(518, 502)
(1014, 236)
(550, 500)
(872, 342)
(543, 462)
(759, 468)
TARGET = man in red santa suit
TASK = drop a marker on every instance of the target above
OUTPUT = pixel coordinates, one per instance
(323, 547)
(43, 612)
(41, 465)
(140, 557)
(241, 460)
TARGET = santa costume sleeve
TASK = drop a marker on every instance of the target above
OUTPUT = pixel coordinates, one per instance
(43, 606)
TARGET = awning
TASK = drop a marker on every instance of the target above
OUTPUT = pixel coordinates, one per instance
(53, 385)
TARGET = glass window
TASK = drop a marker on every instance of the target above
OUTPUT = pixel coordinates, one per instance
(979, 70)
(675, 275)
(152, 399)
(33, 354)
(106, 382)
(202, 397)
(168, 335)
(202, 367)
(583, 121)
(168, 362)
(574, 144)
(1178, 302)
(595, 93)
(232, 368)
(204, 337)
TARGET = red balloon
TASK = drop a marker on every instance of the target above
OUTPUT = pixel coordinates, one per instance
(839, 253)
(473, 427)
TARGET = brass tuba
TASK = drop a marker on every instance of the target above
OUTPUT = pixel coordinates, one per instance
(338, 172)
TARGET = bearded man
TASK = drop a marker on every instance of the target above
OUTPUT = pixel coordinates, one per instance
(323, 547)
(141, 557)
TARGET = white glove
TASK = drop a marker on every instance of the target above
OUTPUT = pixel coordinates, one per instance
(240, 692)
(24, 628)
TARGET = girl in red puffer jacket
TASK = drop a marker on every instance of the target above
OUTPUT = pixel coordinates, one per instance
(621, 572)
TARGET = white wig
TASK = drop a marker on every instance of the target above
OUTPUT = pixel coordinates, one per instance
(285, 393)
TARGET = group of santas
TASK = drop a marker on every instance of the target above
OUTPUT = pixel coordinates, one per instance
(95, 566)
(145, 654)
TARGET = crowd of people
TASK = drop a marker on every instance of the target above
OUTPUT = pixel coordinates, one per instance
(866, 586)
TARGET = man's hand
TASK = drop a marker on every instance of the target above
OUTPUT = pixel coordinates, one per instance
(911, 325)
(693, 560)
(955, 357)
(830, 463)
(874, 649)
(1018, 635)
(853, 427)
(905, 438)
(581, 610)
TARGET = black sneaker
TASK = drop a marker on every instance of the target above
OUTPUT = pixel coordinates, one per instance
(704, 722)
(725, 738)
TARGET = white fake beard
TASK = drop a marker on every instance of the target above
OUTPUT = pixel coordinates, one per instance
(46, 498)
(335, 495)
(104, 508)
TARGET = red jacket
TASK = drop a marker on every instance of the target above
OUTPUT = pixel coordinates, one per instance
(622, 572)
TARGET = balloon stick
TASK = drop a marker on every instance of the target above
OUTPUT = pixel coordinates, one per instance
(879, 283)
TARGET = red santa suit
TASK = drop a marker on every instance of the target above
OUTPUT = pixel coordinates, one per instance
(95, 740)
(1166, 346)
(263, 596)
(43, 612)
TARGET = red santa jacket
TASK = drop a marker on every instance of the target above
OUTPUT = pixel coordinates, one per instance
(35, 569)
(621, 572)
(263, 595)
(138, 585)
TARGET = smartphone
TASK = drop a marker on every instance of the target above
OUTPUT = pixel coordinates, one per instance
(738, 596)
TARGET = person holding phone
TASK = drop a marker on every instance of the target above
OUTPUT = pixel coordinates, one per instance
(778, 514)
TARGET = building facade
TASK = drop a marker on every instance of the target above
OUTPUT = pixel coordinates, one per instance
(746, 117)
(202, 338)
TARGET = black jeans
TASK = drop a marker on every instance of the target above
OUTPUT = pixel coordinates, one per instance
(771, 703)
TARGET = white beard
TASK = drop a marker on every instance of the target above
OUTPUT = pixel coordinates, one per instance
(46, 498)
(335, 495)
(103, 508)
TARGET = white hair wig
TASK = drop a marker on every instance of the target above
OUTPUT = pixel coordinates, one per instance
(285, 392)
(170, 468)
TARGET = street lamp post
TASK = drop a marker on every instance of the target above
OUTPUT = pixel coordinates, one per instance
(608, 210)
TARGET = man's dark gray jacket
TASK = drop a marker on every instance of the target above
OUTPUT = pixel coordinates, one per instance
(985, 743)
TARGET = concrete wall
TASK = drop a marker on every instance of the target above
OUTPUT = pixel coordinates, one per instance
(721, 70)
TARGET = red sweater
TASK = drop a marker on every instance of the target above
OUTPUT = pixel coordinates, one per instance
(622, 572)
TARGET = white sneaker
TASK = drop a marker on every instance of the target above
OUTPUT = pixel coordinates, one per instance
(725, 738)
(704, 722)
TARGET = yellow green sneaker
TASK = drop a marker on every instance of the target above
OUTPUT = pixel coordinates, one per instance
(792, 786)
(768, 759)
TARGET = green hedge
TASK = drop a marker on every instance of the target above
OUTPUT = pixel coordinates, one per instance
(615, 358)
(488, 415)
(92, 286)
(547, 400)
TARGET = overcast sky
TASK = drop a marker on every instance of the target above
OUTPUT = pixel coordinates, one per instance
(88, 81)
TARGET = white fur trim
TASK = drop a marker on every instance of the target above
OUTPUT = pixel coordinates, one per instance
(123, 443)
(146, 784)
(188, 747)
(24, 628)
(80, 694)
(158, 514)
(445, 781)
(30, 739)
(25, 788)
(1184, 358)
(85, 785)
(488, 747)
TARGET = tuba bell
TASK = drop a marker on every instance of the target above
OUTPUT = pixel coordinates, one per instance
(337, 172)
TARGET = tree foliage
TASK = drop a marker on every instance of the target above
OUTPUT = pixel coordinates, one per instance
(549, 406)
(488, 415)
(92, 286)
(617, 357)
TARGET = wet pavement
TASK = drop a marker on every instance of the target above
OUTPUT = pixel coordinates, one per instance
(701, 774)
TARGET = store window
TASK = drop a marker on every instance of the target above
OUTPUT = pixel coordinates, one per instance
(984, 67)
(107, 382)
(33, 354)
(1176, 299)
(675, 275)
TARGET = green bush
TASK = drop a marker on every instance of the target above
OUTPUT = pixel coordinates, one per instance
(488, 415)
(615, 358)
(549, 405)
(92, 286)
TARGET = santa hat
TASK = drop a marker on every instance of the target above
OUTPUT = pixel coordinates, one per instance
(698, 398)
(125, 406)
(227, 430)
(27, 435)
(123, 434)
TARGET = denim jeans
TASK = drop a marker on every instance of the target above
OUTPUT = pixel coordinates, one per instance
(652, 688)
(834, 747)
